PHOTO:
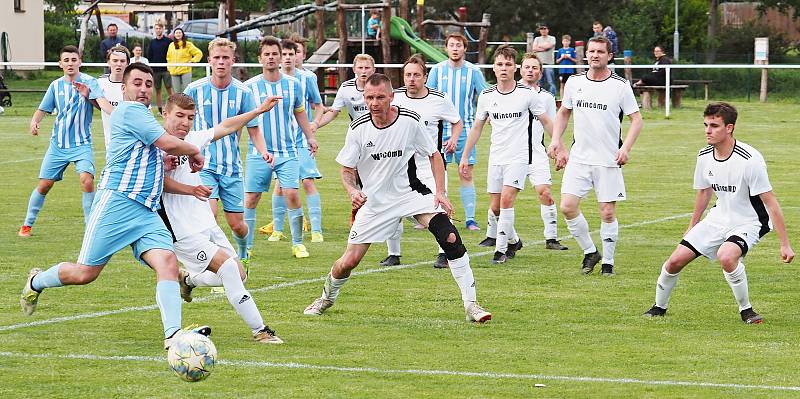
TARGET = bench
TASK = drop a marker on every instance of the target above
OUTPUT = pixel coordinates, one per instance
(705, 83)
(647, 91)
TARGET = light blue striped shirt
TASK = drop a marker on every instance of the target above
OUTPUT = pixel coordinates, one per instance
(214, 105)
(279, 124)
(72, 127)
(462, 86)
(308, 85)
(135, 166)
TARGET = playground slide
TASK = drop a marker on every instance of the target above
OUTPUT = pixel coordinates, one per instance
(401, 30)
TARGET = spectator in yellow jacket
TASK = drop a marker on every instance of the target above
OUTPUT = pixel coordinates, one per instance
(181, 51)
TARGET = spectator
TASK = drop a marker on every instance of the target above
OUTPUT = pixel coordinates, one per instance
(543, 46)
(657, 76)
(374, 25)
(157, 53)
(110, 41)
(609, 33)
(137, 55)
(181, 51)
(566, 56)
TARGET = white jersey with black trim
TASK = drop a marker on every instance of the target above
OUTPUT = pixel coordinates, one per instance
(536, 132)
(186, 214)
(737, 181)
(384, 156)
(435, 111)
(112, 91)
(598, 107)
(348, 96)
(509, 114)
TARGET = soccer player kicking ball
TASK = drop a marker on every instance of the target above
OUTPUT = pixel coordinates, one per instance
(380, 146)
(124, 211)
(745, 211)
(200, 245)
(598, 98)
(511, 108)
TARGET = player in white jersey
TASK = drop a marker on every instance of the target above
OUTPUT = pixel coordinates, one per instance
(218, 97)
(118, 58)
(598, 98)
(200, 245)
(509, 106)
(746, 210)
(379, 149)
(462, 82)
(71, 140)
(351, 92)
(435, 110)
(124, 212)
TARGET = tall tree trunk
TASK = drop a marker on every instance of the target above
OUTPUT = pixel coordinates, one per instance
(713, 28)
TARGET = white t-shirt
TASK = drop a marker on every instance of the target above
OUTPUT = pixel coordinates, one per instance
(187, 214)
(536, 128)
(348, 96)
(737, 182)
(509, 114)
(546, 56)
(112, 91)
(383, 157)
(598, 107)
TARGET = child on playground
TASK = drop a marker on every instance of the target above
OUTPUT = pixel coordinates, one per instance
(374, 25)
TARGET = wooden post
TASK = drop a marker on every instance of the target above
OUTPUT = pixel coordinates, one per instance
(402, 12)
(628, 72)
(483, 37)
(579, 54)
(341, 30)
(529, 40)
(420, 12)
(386, 43)
(232, 18)
(100, 29)
(320, 16)
(762, 58)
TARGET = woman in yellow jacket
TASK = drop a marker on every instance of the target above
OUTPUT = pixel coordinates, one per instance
(181, 51)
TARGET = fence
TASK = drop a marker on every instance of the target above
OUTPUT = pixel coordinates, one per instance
(668, 67)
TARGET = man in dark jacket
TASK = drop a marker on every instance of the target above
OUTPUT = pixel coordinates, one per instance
(157, 53)
(657, 76)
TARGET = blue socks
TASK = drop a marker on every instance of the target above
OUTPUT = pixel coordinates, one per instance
(278, 212)
(87, 200)
(296, 225)
(34, 205)
(169, 300)
(468, 200)
(47, 279)
(247, 242)
(314, 211)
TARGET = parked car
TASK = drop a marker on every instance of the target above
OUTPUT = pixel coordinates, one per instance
(206, 29)
(125, 30)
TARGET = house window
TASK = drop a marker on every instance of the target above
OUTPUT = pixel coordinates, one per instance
(19, 5)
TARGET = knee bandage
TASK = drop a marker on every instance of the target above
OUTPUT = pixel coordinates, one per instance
(441, 227)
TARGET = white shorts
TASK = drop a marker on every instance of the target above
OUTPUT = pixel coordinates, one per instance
(706, 237)
(512, 175)
(377, 225)
(539, 171)
(607, 181)
(195, 251)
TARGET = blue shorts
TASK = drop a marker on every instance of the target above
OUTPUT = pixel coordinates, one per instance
(228, 189)
(462, 141)
(259, 173)
(57, 159)
(117, 221)
(308, 165)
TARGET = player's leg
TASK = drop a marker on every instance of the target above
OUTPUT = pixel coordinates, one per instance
(683, 254)
(211, 180)
(449, 240)
(308, 173)
(35, 203)
(576, 184)
(507, 238)
(393, 247)
(279, 209)
(338, 276)
(158, 78)
(258, 176)
(541, 179)
(288, 173)
(168, 298)
(730, 256)
(467, 189)
(231, 194)
(610, 189)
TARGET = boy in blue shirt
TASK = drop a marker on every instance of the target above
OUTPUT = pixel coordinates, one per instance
(374, 25)
(566, 56)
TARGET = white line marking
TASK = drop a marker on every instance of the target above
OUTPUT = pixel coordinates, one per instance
(292, 283)
(419, 372)
(37, 159)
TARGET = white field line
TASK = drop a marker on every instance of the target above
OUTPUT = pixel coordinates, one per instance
(38, 158)
(418, 372)
(290, 283)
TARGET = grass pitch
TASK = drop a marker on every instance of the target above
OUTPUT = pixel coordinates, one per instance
(400, 332)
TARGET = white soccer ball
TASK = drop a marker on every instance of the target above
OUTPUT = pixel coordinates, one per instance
(192, 356)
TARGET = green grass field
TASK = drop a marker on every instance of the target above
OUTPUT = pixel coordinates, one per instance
(400, 332)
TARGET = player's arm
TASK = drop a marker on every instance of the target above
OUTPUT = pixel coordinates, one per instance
(173, 186)
(302, 120)
(472, 139)
(350, 183)
(319, 110)
(326, 117)
(455, 133)
(175, 146)
(35, 120)
(237, 122)
(100, 102)
(633, 133)
(779, 223)
(556, 148)
(701, 200)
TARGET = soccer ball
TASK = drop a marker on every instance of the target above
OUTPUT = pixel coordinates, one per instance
(192, 356)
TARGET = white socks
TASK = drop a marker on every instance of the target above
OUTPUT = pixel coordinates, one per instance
(609, 233)
(238, 296)
(206, 278)
(393, 243)
(491, 224)
(579, 229)
(330, 290)
(550, 221)
(666, 282)
(737, 280)
(462, 273)
(505, 230)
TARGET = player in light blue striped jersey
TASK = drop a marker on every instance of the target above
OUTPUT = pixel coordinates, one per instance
(71, 140)
(462, 82)
(293, 54)
(124, 211)
(218, 97)
(280, 133)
